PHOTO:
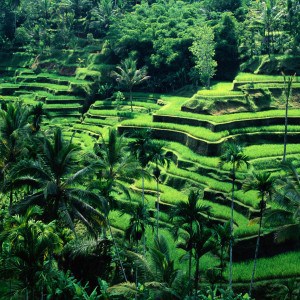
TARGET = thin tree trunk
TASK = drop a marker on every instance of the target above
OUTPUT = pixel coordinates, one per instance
(197, 274)
(143, 202)
(190, 265)
(157, 208)
(285, 126)
(136, 271)
(257, 247)
(117, 250)
(231, 228)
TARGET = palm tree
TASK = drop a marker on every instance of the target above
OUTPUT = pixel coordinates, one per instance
(287, 92)
(141, 149)
(287, 195)
(203, 242)
(263, 183)
(128, 75)
(222, 236)
(114, 165)
(233, 154)
(56, 179)
(189, 214)
(137, 226)
(164, 283)
(37, 112)
(14, 129)
(159, 157)
(31, 244)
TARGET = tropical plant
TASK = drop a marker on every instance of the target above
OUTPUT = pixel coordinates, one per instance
(222, 237)
(158, 275)
(263, 183)
(14, 129)
(127, 75)
(28, 244)
(232, 154)
(189, 214)
(55, 178)
(287, 92)
(37, 112)
(114, 165)
(141, 149)
(287, 196)
(159, 157)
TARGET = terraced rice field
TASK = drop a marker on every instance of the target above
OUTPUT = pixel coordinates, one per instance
(194, 139)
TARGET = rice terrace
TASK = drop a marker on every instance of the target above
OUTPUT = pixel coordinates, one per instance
(150, 149)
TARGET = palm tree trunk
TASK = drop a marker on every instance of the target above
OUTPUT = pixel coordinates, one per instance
(285, 128)
(190, 265)
(143, 201)
(136, 271)
(231, 228)
(117, 250)
(157, 208)
(197, 273)
(257, 247)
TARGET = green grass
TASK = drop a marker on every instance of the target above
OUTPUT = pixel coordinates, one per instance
(174, 108)
(198, 132)
(260, 77)
(62, 106)
(269, 150)
(100, 122)
(279, 266)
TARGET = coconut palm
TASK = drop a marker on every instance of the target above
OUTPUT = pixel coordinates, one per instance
(287, 92)
(55, 179)
(159, 157)
(127, 75)
(263, 183)
(189, 214)
(141, 149)
(287, 214)
(157, 273)
(37, 112)
(114, 164)
(222, 237)
(139, 220)
(202, 241)
(233, 154)
(14, 129)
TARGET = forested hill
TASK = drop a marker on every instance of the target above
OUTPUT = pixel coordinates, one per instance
(158, 34)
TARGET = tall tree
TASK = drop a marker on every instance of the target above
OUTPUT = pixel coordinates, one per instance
(287, 196)
(141, 149)
(233, 154)
(287, 93)
(263, 183)
(203, 49)
(189, 214)
(55, 179)
(159, 157)
(128, 76)
(14, 130)
(222, 237)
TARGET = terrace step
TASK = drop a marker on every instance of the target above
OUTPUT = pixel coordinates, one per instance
(256, 122)
(208, 148)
